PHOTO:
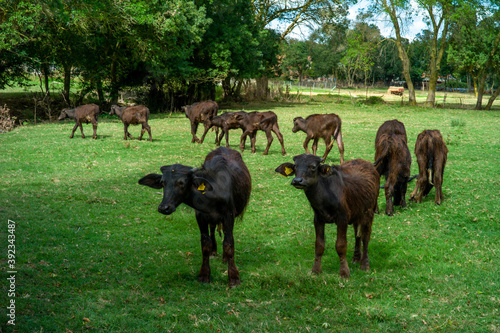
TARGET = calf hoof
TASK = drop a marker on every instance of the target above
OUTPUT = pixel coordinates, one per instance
(283, 153)
(365, 266)
(233, 283)
(204, 279)
(71, 137)
(344, 273)
(94, 137)
(83, 136)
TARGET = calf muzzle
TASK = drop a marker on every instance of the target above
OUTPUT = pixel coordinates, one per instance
(166, 209)
(299, 183)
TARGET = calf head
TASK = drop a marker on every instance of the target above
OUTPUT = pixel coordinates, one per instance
(298, 124)
(178, 181)
(63, 114)
(114, 107)
(307, 169)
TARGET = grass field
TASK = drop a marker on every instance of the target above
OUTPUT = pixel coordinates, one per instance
(93, 253)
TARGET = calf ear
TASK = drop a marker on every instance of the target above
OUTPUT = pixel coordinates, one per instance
(202, 185)
(152, 180)
(286, 169)
(325, 170)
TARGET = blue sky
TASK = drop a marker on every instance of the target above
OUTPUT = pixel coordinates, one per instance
(385, 26)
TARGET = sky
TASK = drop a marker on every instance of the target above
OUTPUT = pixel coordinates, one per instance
(386, 28)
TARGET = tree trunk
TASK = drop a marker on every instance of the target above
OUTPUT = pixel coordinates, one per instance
(262, 89)
(492, 98)
(480, 91)
(100, 93)
(46, 73)
(114, 81)
(67, 81)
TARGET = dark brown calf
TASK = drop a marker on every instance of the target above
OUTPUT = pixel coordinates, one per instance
(219, 192)
(133, 115)
(431, 152)
(201, 113)
(341, 194)
(392, 127)
(321, 126)
(225, 122)
(259, 121)
(393, 161)
(83, 114)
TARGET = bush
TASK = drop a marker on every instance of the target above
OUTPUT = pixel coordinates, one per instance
(6, 121)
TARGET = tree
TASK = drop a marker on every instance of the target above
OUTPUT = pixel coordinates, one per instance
(291, 14)
(474, 46)
(397, 11)
(439, 13)
(362, 44)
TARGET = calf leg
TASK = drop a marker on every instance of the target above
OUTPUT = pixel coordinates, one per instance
(94, 126)
(341, 247)
(366, 231)
(357, 246)
(306, 144)
(315, 146)
(228, 252)
(126, 133)
(319, 247)
(74, 129)
(243, 140)
(340, 144)
(194, 128)
(206, 249)
(81, 130)
(207, 128)
(389, 192)
(213, 253)
(328, 143)
(276, 130)
(438, 184)
(269, 141)
(253, 139)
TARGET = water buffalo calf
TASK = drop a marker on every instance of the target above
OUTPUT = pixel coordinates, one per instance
(341, 194)
(259, 121)
(133, 115)
(431, 152)
(83, 114)
(393, 161)
(225, 122)
(201, 113)
(321, 126)
(219, 192)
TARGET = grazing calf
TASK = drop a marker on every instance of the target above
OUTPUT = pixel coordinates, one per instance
(218, 192)
(201, 112)
(321, 126)
(393, 161)
(344, 194)
(259, 121)
(431, 152)
(225, 122)
(133, 115)
(83, 114)
(392, 127)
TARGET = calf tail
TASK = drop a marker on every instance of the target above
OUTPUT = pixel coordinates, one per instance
(268, 120)
(429, 169)
(382, 156)
(337, 131)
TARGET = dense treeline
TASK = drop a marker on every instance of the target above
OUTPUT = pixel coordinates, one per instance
(173, 53)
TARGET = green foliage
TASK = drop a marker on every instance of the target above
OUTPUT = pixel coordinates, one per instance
(94, 254)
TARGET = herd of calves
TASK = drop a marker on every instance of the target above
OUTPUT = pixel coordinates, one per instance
(343, 194)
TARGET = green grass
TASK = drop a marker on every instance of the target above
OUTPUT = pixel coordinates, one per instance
(93, 253)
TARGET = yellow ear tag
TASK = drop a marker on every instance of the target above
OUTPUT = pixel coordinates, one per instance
(288, 170)
(202, 188)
